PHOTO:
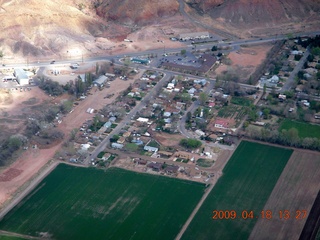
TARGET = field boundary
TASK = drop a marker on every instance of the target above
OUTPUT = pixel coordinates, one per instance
(12, 234)
(312, 225)
(25, 189)
(204, 197)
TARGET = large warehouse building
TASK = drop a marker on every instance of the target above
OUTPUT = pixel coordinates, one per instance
(192, 36)
(21, 76)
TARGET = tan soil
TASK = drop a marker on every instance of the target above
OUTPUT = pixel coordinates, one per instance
(246, 60)
(16, 106)
(295, 190)
(33, 160)
(166, 139)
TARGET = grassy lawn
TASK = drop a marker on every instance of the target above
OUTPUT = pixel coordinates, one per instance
(100, 155)
(247, 181)
(202, 162)
(241, 101)
(132, 147)
(88, 203)
(304, 129)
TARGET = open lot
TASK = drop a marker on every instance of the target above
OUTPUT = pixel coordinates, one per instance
(82, 203)
(245, 61)
(16, 106)
(246, 184)
(304, 129)
(295, 191)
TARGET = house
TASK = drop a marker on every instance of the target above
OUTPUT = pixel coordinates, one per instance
(106, 156)
(140, 161)
(121, 140)
(211, 104)
(111, 75)
(112, 119)
(150, 149)
(171, 169)
(100, 81)
(166, 154)
(156, 166)
(143, 120)
(137, 141)
(282, 97)
(152, 77)
(191, 91)
(167, 114)
(221, 124)
(170, 86)
(107, 125)
(117, 145)
(199, 133)
(202, 82)
(127, 134)
(21, 76)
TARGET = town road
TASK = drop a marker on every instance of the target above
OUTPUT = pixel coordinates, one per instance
(127, 119)
(290, 81)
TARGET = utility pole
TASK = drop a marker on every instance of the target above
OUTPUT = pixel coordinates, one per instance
(164, 46)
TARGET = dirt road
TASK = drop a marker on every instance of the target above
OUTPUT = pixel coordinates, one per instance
(33, 160)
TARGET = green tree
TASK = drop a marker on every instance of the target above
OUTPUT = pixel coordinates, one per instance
(266, 113)
(80, 87)
(190, 143)
(214, 48)
(66, 106)
(188, 117)
(73, 134)
(203, 98)
(95, 123)
(183, 52)
(315, 51)
(1, 55)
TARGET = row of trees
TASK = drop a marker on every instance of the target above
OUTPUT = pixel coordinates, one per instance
(285, 137)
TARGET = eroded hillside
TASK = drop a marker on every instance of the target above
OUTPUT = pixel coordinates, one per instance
(69, 28)
(258, 17)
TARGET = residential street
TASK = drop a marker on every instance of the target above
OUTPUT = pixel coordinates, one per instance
(127, 119)
(290, 81)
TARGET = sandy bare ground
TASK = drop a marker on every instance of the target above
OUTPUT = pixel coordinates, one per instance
(245, 60)
(295, 190)
(15, 106)
(34, 159)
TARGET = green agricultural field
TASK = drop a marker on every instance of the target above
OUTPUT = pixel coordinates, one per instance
(247, 181)
(304, 129)
(10, 238)
(88, 203)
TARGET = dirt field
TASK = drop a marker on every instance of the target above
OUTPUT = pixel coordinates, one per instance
(245, 61)
(295, 190)
(15, 175)
(166, 139)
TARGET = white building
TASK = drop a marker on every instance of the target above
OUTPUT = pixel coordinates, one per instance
(21, 76)
(194, 35)
(100, 81)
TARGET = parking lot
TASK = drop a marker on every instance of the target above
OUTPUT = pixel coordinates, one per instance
(187, 59)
